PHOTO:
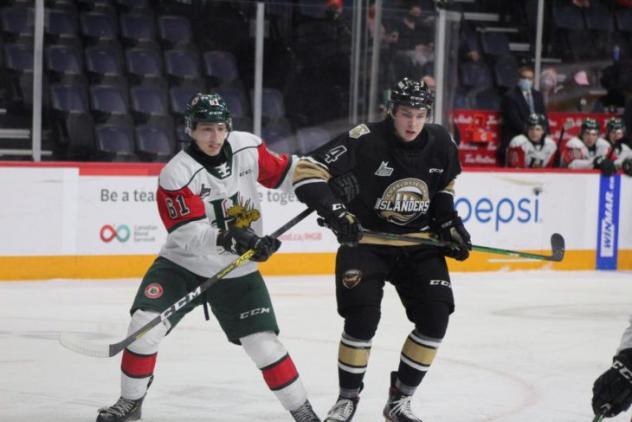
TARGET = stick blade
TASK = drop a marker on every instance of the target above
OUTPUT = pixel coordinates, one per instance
(78, 344)
(558, 247)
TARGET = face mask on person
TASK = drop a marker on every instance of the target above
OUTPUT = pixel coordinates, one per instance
(525, 84)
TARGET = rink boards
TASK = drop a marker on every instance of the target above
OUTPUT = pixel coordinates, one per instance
(88, 220)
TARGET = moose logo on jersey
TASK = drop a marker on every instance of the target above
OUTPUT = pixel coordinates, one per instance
(403, 201)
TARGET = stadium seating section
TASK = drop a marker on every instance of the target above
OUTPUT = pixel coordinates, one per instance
(118, 73)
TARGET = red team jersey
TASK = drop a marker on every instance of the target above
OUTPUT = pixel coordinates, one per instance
(523, 153)
(193, 200)
(575, 154)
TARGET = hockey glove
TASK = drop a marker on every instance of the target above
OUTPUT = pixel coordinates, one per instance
(451, 229)
(238, 241)
(605, 165)
(612, 391)
(345, 225)
(626, 166)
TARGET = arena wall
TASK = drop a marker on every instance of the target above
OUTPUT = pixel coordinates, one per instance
(95, 220)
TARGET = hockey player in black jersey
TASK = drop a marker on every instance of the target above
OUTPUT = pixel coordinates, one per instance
(395, 176)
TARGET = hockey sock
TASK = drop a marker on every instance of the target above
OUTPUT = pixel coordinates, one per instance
(353, 359)
(278, 370)
(139, 358)
(417, 356)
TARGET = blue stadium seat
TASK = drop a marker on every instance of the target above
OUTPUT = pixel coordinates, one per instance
(64, 62)
(18, 62)
(150, 106)
(221, 67)
(183, 66)
(234, 100)
(104, 62)
(138, 29)
(17, 23)
(18, 57)
(109, 103)
(175, 31)
(149, 100)
(179, 97)
(114, 142)
(61, 26)
(154, 143)
(99, 27)
(73, 123)
(69, 98)
(144, 66)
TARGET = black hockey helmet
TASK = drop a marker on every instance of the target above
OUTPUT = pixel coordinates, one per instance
(411, 93)
(536, 119)
(206, 108)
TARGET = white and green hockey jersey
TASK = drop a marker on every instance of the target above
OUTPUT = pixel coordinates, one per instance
(195, 192)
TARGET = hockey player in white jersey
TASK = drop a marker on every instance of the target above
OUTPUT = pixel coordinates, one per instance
(588, 150)
(208, 201)
(612, 391)
(621, 153)
(534, 148)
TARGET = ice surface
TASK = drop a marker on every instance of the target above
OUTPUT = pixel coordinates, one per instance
(521, 347)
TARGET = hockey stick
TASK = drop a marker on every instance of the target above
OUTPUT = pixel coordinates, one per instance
(557, 245)
(602, 413)
(568, 124)
(73, 342)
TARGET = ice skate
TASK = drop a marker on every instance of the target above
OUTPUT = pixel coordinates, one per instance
(305, 413)
(343, 409)
(123, 410)
(397, 407)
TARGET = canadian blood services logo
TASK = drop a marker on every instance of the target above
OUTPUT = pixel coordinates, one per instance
(110, 232)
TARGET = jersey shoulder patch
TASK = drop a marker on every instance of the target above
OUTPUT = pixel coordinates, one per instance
(358, 131)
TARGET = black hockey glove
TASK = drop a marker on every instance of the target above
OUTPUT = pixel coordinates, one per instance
(605, 165)
(451, 229)
(345, 225)
(612, 391)
(238, 241)
(626, 166)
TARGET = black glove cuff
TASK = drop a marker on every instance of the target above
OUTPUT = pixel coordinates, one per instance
(442, 205)
(318, 196)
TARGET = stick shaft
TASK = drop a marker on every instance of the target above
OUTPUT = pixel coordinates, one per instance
(479, 248)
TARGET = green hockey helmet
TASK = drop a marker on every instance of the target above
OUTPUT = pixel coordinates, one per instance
(536, 119)
(206, 108)
(590, 124)
(411, 93)
(613, 124)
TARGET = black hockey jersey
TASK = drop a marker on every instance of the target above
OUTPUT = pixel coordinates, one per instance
(388, 184)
